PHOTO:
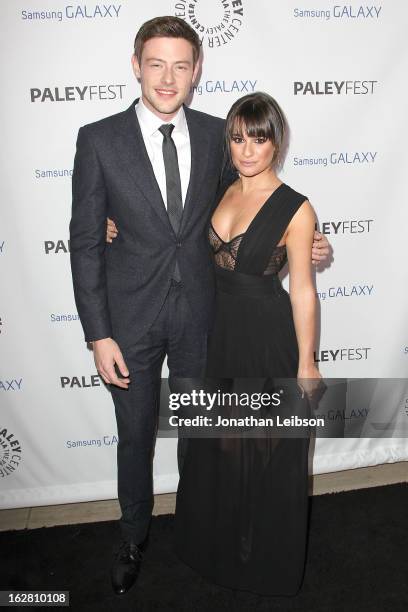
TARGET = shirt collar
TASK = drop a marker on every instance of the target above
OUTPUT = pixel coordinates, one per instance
(151, 123)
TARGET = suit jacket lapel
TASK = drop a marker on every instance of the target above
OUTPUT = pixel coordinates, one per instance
(199, 143)
(130, 146)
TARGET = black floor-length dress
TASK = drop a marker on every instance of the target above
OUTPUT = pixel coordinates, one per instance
(242, 503)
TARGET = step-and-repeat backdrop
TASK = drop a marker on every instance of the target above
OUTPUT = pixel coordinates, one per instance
(338, 72)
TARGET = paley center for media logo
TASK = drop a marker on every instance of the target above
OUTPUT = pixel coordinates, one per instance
(77, 93)
(334, 88)
(10, 452)
(340, 11)
(337, 158)
(216, 22)
(74, 11)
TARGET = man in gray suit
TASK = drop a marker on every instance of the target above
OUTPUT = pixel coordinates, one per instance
(154, 169)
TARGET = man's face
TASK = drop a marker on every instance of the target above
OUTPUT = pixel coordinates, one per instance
(166, 74)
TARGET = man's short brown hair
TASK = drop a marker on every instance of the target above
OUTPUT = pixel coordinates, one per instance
(168, 27)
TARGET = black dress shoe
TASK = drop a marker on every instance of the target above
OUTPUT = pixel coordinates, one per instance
(126, 566)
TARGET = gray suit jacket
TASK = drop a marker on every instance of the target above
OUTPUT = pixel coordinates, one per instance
(120, 287)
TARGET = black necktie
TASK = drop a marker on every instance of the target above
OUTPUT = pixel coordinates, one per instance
(173, 184)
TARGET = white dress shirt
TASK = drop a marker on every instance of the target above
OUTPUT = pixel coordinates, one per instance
(153, 139)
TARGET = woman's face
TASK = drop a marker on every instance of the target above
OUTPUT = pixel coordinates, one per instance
(251, 155)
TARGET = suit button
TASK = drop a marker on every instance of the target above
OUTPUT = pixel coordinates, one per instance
(178, 245)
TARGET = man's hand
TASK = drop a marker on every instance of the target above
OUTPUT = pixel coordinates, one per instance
(111, 230)
(320, 248)
(106, 354)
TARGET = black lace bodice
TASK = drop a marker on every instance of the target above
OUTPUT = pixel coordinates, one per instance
(225, 253)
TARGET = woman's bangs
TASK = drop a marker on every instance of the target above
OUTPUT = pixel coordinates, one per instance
(253, 121)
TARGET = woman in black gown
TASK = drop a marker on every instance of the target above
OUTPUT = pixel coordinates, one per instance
(242, 503)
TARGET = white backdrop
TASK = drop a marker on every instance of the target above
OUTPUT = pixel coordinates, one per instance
(338, 72)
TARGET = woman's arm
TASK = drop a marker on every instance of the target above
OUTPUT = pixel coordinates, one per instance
(299, 240)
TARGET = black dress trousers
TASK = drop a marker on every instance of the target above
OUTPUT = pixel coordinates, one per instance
(176, 334)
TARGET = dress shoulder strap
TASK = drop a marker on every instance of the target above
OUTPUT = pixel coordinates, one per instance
(267, 230)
